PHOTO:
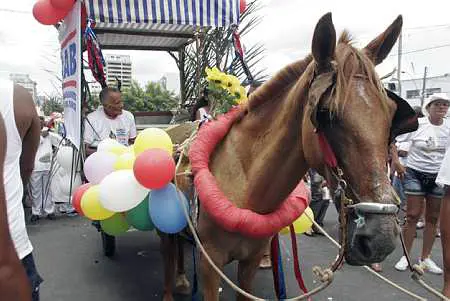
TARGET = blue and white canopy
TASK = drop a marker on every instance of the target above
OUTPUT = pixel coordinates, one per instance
(157, 24)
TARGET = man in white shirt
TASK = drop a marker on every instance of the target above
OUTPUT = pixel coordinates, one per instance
(109, 121)
(42, 203)
(22, 131)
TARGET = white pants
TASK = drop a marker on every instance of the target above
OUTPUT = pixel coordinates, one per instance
(42, 203)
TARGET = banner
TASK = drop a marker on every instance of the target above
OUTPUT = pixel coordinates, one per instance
(70, 40)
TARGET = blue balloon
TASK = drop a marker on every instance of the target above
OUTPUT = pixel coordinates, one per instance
(166, 210)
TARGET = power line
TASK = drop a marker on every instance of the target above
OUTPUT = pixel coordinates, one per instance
(423, 49)
(7, 10)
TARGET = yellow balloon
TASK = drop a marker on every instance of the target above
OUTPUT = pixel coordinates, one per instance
(118, 149)
(125, 161)
(91, 206)
(302, 224)
(152, 138)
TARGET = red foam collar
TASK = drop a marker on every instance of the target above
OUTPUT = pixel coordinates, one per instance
(217, 205)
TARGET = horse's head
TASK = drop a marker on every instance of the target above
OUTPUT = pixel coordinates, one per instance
(348, 104)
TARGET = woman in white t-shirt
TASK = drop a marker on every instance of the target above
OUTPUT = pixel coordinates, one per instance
(443, 179)
(425, 155)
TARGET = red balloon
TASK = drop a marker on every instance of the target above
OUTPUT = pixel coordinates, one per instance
(77, 195)
(62, 4)
(46, 14)
(154, 168)
(242, 6)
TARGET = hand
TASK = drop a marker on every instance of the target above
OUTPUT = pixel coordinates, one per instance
(400, 169)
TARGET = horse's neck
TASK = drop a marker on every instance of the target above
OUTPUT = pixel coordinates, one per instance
(264, 153)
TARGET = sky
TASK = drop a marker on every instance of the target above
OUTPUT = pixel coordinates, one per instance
(285, 31)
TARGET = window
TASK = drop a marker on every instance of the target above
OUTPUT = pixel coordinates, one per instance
(432, 91)
(412, 93)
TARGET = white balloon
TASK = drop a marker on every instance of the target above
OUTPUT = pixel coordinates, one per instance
(99, 165)
(64, 157)
(120, 191)
(107, 144)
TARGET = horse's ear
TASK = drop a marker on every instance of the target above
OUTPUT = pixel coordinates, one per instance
(324, 43)
(380, 47)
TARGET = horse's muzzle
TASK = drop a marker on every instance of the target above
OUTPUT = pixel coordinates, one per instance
(371, 235)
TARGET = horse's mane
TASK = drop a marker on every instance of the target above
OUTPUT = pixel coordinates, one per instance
(348, 64)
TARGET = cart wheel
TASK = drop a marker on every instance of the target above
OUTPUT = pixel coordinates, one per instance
(109, 244)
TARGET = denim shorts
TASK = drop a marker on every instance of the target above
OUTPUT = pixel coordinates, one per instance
(421, 183)
(33, 276)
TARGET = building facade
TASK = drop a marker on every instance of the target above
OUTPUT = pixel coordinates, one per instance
(118, 67)
(25, 81)
(412, 88)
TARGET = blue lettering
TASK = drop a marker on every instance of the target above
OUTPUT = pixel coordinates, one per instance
(66, 64)
(73, 58)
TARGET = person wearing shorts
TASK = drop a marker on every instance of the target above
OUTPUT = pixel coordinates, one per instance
(443, 179)
(426, 149)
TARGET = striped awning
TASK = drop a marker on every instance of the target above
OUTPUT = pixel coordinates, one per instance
(203, 13)
(165, 25)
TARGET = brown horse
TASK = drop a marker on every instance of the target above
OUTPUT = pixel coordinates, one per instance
(270, 148)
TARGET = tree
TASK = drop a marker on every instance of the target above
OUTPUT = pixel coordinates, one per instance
(215, 48)
(152, 97)
(53, 104)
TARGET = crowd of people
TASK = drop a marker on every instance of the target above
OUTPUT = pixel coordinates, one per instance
(420, 173)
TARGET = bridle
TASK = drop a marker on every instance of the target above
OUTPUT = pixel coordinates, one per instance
(346, 205)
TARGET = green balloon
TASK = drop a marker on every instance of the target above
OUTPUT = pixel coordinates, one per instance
(139, 217)
(115, 225)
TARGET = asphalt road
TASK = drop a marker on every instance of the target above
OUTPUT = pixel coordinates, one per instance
(69, 257)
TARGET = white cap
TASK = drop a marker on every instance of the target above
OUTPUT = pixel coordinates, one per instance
(432, 98)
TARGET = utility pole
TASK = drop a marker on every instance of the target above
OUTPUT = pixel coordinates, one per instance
(424, 86)
(399, 64)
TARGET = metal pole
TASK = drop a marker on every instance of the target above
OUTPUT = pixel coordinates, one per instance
(399, 64)
(424, 84)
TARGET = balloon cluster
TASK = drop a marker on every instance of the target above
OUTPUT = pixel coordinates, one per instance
(50, 12)
(130, 186)
(302, 224)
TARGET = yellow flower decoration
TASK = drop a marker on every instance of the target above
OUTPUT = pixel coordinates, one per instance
(240, 94)
(214, 75)
(231, 82)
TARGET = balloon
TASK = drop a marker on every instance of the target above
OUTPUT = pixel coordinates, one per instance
(166, 209)
(115, 225)
(152, 138)
(62, 4)
(91, 206)
(64, 157)
(118, 149)
(46, 14)
(242, 6)
(99, 165)
(125, 161)
(120, 192)
(302, 224)
(139, 217)
(77, 195)
(154, 168)
(65, 183)
(107, 144)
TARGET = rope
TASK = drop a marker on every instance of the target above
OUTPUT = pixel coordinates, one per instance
(411, 294)
(326, 276)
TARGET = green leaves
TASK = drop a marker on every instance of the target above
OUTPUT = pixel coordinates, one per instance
(152, 97)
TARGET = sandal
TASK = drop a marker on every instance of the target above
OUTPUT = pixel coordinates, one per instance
(376, 267)
(266, 262)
